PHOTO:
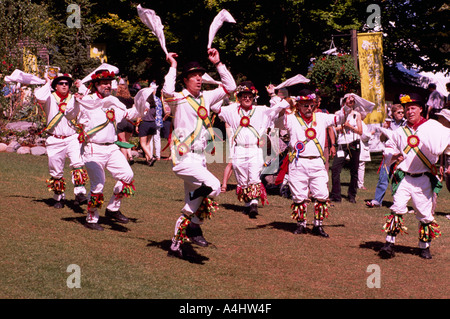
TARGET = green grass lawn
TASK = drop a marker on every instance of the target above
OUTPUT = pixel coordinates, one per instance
(248, 258)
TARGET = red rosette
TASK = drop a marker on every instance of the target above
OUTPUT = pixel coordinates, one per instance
(62, 107)
(81, 137)
(202, 112)
(311, 133)
(413, 141)
(110, 115)
(245, 121)
(182, 149)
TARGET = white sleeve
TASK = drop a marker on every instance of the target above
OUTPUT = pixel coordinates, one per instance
(169, 82)
(43, 93)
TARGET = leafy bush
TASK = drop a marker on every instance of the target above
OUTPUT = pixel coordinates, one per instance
(334, 76)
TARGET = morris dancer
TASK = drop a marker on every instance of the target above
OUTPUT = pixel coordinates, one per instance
(249, 122)
(307, 173)
(63, 140)
(416, 148)
(98, 114)
(191, 126)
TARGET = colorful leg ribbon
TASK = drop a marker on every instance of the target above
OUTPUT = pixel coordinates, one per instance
(299, 211)
(96, 201)
(207, 207)
(128, 190)
(58, 186)
(394, 225)
(181, 232)
(429, 231)
(253, 191)
(320, 210)
(79, 176)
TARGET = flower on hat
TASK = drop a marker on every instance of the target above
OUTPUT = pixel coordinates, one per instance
(405, 99)
(103, 75)
(244, 88)
(305, 97)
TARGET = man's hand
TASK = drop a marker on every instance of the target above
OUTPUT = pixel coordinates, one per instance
(398, 158)
(213, 56)
(171, 59)
(270, 89)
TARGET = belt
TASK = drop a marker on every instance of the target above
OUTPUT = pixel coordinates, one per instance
(59, 136)
(102, 143)
(247, 146)
(415, 175)
(309, 157)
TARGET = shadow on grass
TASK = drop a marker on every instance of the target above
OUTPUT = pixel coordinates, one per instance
(189, 253)
(287, 226)
(376, 246)
(102, 221)
(69, 203)
(233, 207)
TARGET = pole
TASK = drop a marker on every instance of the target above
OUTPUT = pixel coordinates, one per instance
(354, 47)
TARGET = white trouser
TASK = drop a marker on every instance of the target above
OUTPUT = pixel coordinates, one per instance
(57, 151)
(361, 173)
(247, 166)
(419, 190)
(308, 176)
(157, 140)
(192, 170)
(97, 158)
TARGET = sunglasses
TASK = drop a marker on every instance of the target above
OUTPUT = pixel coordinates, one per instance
(247, 97)
(307, 106)
(63, 83)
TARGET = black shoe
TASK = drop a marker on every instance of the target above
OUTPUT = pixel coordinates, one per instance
(301, 229)
(253, 211)
(352, 200)
(152, 161)
(246, 210)
(335, 200)
(93, 226)
(425, 253)
(318, 231)
(80, 199)
(59, 204)
(387, 251)
(117, 216)
(195, 235)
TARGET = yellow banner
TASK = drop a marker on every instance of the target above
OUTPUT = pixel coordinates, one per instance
(98, 50)
(370, 52)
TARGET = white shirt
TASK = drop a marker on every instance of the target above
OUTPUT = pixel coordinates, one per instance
(297, 131)
(262, 117)
(434, 139)
(185, 117)
(93, 112)
(347, 136)
(44, 96)
(436, 100)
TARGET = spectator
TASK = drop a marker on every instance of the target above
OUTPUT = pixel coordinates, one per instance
(435, 102)
(125, 128)
(148, 127)
(348, 144)
(364, 155)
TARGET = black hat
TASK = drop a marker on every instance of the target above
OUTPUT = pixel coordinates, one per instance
(192, 67)
(60, 77)
(411, 98)
(246, 87)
